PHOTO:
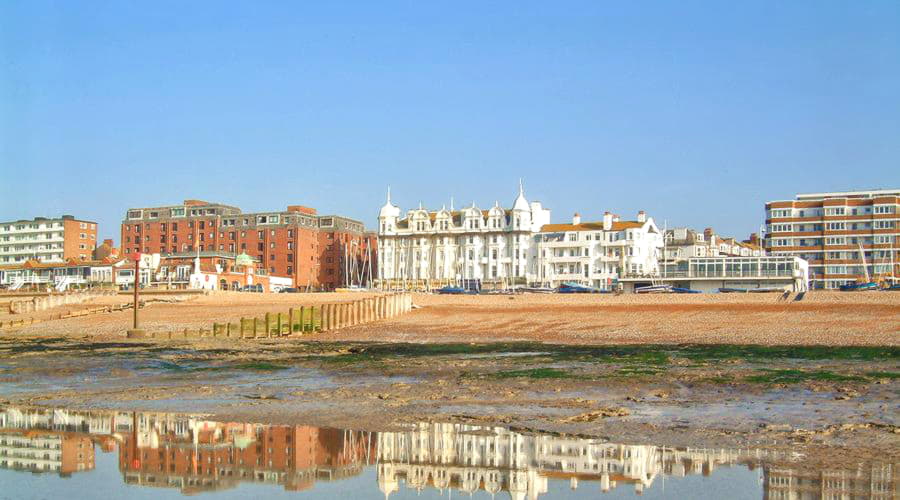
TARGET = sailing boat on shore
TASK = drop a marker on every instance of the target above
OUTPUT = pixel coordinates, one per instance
(868, 284)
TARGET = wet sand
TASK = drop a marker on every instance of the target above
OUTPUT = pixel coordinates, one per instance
(684, 396)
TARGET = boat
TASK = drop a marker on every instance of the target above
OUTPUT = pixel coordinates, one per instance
(451, 290)
(654, 289)
(892, 288)
(507, 291)
(676, 289)
(733, 290)
(538, 289)
(859, 287)
(576, 288)
(772, 289)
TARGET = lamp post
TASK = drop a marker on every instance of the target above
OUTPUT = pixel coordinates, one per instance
(135, 331)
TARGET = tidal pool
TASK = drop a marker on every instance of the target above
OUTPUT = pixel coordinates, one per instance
(65, 453)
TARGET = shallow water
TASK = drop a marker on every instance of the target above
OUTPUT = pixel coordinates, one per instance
(58, 452)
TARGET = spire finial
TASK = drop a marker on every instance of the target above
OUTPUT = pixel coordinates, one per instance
(389, 195)
(521, 187)
(451, 203)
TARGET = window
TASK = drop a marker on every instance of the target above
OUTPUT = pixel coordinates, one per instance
(135, 214)
(884, 224)
(835, 211)
(836, 226)
(884, 209)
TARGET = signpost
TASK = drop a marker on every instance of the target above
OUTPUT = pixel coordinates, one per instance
(135, 331)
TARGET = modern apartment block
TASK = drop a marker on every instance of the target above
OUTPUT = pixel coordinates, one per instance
(47, 240)
(434, 247)
(319, 251)
(836, 232)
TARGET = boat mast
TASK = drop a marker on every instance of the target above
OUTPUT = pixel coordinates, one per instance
(862, 257)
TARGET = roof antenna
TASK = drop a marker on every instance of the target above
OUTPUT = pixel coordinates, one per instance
(451, 203)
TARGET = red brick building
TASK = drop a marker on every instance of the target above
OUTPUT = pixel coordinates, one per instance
(318, 251)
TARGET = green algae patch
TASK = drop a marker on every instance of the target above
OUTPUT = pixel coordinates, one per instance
(789, 376)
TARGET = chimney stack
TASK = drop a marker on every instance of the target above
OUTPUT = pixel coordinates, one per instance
(642, 216)
(576, 219)
(607, 221)
(708, 233)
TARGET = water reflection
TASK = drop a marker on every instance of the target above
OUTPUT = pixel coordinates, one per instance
(192, 454)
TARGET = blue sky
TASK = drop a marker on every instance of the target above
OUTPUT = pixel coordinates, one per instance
(697, 112)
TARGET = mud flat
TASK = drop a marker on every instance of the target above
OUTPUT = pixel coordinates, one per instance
(687, 395)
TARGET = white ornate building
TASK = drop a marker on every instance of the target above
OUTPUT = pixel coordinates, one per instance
(433, 248)
(598, 254)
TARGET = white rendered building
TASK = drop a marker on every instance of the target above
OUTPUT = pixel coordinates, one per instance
(598, 254)
(432, 248)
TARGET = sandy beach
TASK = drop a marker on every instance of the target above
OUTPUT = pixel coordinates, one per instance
(821, 318)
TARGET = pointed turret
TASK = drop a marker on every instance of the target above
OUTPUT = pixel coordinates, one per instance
(521, 203)
(389, 209)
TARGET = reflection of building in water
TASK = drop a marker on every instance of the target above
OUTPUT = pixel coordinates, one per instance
(469, 458)
(45, 451)
(494, 459)
(34, 442)
(876, 483)
(193, 454)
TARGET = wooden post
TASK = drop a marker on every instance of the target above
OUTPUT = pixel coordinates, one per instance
(228, 329)
(323, 310)
(332, 317)
(268, 325)
(291, 321)
(302, 319)
(278, 325)
(255, 322)
(242, 327)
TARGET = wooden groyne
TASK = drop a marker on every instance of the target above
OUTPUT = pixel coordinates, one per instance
(302, 319)
(36, 304)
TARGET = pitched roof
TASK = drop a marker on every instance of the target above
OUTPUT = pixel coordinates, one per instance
(590, 226)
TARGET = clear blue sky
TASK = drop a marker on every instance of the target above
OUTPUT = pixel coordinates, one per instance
(697, 112)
